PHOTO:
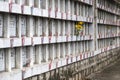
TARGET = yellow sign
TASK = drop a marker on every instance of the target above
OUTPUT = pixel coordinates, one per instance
(78, 27)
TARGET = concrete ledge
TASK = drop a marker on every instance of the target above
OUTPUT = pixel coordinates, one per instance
(101, 21)
(100, 36)
(88, 2)
(4, 6)
(25, 41)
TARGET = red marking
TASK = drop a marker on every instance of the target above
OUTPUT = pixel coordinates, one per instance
(67, 38)
(50, 34)
(32, 9)
(76, 14)
(62, 15)
(87, 55)
(71, 16)
(99, 35)
(28, 62)
(23, 41)
(112, 35)
(106, 48)
(80, 56)
(32, 41)
(83, 37)
(81, 33)
(56, 12)
(22, 8)
(10, 6)
(76, 58)
(67, 15)
(50, 64)
(77, 17)
(50, 39)
(11, 42)
(56, 64)
(23, 73)
(90, 19)
(67, 59)
(71, 59)
(90, 36)
(42, 40)
(83, 56)
(49, 10)
(90, 54)
(56, 34)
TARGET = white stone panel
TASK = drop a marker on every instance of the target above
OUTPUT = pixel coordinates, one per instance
(23, 26)
(1, 25)
(16, 8)
(2, 60)
(12, 26)
(4, 6)
(37, 11)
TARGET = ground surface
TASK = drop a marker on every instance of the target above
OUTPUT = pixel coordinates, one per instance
(110, 73)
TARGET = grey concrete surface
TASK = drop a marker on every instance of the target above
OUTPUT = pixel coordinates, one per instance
(110, 73)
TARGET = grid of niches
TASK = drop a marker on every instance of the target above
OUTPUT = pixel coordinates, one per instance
(22, 26)
(108, 26)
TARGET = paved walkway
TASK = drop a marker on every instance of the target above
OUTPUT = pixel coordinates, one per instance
(111, 73)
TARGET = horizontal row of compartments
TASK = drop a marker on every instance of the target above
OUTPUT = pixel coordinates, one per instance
(50, 65)
(4, 57)
(108, 22)
(17, 25)
(107, 42)
(80, 64)
(106, 16)
(112, 35)
(49, 3)
(107, 29)
(72, 13)
(41, 53)
(109, 6)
